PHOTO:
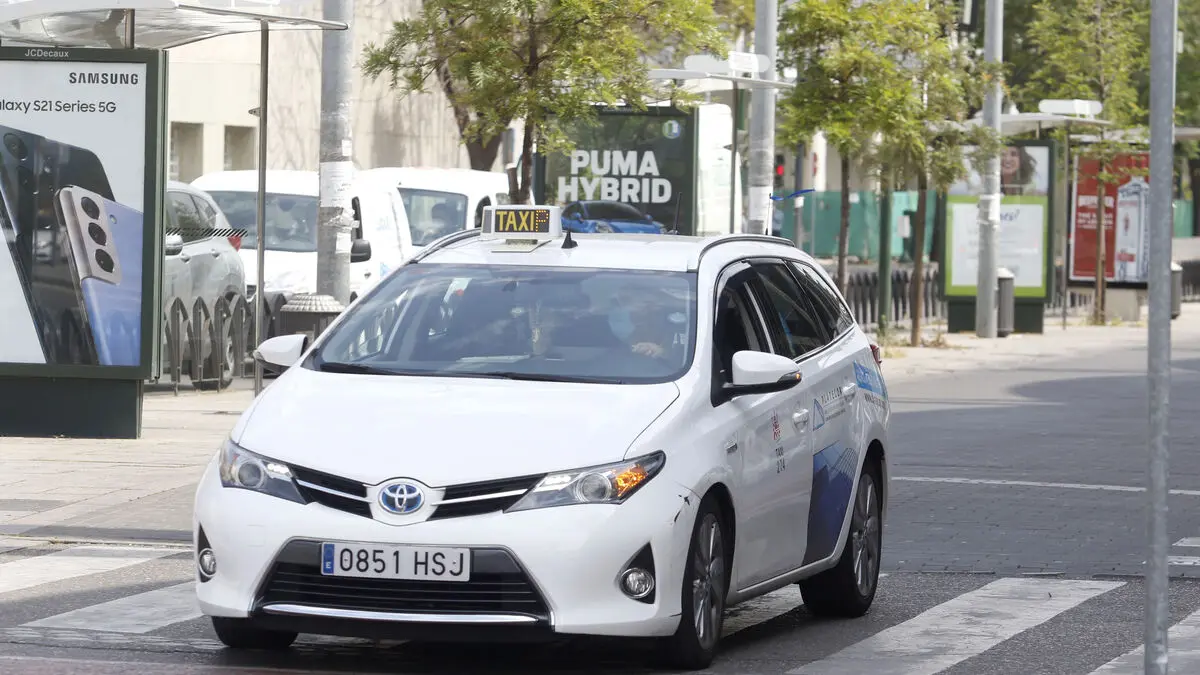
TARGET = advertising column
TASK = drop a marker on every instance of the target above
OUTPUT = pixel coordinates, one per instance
(1126, 213)
(630, 172)
(73, 191)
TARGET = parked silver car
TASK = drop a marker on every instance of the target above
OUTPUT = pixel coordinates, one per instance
(202, 262)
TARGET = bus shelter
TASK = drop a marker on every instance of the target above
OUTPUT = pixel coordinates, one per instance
(75, 71)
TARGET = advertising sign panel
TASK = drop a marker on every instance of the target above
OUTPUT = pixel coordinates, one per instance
(78, 211)
(631, 171)
(1126, 214)
(1026, 174)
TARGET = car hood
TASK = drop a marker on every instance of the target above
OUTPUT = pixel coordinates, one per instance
(446, 430)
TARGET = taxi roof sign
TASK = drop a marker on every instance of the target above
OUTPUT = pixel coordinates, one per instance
(522, 222)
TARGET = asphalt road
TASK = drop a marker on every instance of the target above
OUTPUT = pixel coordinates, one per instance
(1015, 545)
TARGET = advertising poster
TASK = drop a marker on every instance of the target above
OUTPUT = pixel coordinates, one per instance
(629, 172)
(1126, 214)
(77, 260)
(1025, 179)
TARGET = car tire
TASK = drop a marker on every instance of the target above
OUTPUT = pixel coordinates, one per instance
(842, 591)
(693, 648)
(243, 634)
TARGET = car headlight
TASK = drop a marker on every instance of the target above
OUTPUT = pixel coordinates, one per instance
(608, 484)
(240, 468)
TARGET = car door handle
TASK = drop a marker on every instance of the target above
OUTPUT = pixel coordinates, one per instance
(184, 257)
(215, 253)
(850, 390)
(800, 417)
(731, 448)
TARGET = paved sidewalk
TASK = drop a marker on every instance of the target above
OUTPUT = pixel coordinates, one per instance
(108, 490)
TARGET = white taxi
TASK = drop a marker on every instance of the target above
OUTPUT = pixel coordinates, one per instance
(522, 434)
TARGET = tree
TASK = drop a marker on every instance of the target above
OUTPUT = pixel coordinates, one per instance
(544, 62)
(1093, 49)
(929, 140)
(736, 16)
(849, 83)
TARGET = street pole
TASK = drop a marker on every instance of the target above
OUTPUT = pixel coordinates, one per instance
(989, 201)
(733, 160)
(885, 253)
(335, 170)
(1163, 19)
(762, 120)
(260, 231)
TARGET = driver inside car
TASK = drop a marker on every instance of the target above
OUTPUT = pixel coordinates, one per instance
(636, 320)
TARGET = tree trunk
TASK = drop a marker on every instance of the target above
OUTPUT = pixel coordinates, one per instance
(1098, 300)
(917, 302)
(844, 230)
(1194, 174)
(483, 154)
(523, 194)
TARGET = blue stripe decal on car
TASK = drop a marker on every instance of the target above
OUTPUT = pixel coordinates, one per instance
(833, 480)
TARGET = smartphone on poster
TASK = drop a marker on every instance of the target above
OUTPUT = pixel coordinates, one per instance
(34, 168)
(106, 240)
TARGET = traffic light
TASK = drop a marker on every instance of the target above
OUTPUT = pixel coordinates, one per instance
(780, 168)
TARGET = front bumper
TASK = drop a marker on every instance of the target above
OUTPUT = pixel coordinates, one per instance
(534, 573)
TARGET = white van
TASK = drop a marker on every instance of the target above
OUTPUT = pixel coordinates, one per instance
(441, 201)
(290, 262)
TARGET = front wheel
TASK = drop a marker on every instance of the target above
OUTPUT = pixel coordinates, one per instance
(705, 587)
(849, 589)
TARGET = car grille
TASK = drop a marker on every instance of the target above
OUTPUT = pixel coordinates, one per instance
(336, 493)
(472, 499)
(466, 499)
(498, 585)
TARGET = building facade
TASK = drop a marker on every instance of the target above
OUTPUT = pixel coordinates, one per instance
(213, 89)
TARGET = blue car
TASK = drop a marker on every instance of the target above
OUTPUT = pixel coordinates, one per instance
(603, 216)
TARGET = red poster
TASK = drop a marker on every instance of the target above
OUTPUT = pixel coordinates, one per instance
(1125, 218)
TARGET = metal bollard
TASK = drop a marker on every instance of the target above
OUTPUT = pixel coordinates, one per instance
(1176, 290)
(1005, 302)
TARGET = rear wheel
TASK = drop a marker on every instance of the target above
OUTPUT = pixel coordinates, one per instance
(223, 371)
(849, 589)
(705, 587)
(242, 634)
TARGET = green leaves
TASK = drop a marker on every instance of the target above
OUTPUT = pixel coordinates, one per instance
(886, 67)
(543, 61)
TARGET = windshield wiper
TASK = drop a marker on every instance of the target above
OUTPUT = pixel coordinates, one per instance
(535, 377)
(354, 368)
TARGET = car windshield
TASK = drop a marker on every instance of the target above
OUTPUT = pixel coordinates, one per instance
(291, 219)
(540, 323)
(433, 214)
(613, 211)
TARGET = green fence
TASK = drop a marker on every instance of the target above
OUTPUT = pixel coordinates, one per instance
(821, 214)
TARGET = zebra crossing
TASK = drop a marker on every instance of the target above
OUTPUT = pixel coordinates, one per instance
(141, 598)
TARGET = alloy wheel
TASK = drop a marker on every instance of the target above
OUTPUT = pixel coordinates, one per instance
(865, 534)
(708, 581)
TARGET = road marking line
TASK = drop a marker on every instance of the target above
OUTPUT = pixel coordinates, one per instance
(764, 608)
(17, 543)
(959, 628)
(1184, 641)
(1182, 560)
(1029, 483)
(141, 613)
(1188, 541)
(77, 561)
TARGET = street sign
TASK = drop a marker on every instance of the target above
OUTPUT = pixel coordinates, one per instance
(748, 62)
(1074, 107)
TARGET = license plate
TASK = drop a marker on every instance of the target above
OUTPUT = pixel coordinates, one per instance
(378, 561)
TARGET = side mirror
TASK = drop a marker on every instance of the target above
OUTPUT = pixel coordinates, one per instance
(281, 352)
(761, 373)
(173, 244)
(360, 251)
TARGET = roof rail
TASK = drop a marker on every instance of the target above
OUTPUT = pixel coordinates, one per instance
(734, 238)
(443, 242)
